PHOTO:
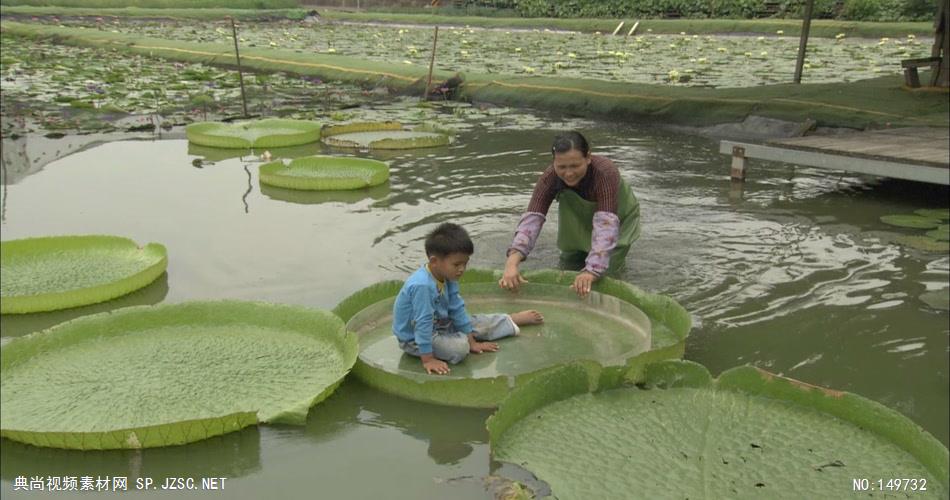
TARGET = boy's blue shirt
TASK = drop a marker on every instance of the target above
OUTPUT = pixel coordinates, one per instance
(419, 304)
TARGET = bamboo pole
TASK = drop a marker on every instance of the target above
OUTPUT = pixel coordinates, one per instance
(435, 40)
(803, 42)
(237, 55)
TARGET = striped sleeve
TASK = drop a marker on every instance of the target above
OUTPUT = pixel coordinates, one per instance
(606, 184)
(544, 193)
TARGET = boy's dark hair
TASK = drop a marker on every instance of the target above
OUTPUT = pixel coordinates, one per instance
(568, 141)
(447, 239)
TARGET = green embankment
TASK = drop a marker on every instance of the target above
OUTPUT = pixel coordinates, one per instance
(790, 27)
(156, 13)
(868, 103)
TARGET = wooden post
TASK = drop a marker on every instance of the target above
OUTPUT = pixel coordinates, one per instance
(617, 29)
(435, 40)
(634, 28)
(739, 163)
(237, 55)
(803, 42)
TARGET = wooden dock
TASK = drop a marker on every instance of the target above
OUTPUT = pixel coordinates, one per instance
(917, 154)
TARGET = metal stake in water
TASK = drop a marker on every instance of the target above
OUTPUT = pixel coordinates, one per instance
(237, 55)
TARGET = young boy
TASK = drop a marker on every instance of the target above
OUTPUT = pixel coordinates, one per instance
(429, 317)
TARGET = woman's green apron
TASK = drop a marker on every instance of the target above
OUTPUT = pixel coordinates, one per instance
(576, 223)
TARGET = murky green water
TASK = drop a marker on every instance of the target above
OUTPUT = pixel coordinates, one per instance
(793, 275)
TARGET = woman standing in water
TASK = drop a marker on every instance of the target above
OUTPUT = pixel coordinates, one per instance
(598, 215)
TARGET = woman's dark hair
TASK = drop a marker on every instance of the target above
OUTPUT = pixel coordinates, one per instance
(447, 239)
(570, 140)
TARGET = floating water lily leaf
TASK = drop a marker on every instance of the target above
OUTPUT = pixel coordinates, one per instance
(911, 221)
(924, 243)
(934, 213)
(325, 173)
(221, 154)
(942, 233)
(151, 376)
(618, 325)
(747, 434)
(269, 133)
(381, 135)
(59, 272)
(937, 299)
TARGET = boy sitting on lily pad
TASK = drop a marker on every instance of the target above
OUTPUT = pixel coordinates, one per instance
(429, 317)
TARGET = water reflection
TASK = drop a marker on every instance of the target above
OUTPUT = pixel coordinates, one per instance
(445, 430)
(15, 325)
(231, 455)
(317, 197)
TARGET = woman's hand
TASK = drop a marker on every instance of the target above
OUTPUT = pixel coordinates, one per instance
(511, 279)
(583, 282)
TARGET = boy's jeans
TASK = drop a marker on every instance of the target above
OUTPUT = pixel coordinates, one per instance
(451, 345)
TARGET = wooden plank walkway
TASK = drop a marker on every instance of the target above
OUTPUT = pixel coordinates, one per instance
(918, 154)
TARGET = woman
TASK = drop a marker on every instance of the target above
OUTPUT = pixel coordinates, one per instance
(598, 215)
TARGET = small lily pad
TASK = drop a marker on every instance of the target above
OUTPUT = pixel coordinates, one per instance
(269, 133)
(937, 299)
(59, 272)
(325, 173)
(911, 221)
(746, 434)
(381, 135)
(152, 376)
(924, 243)
(934, 213)
(942, 233)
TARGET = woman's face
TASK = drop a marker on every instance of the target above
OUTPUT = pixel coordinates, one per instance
(571, 166)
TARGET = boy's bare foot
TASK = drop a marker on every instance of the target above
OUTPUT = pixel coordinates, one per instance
(529, 317)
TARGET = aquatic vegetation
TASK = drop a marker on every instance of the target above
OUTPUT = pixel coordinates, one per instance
(623, 327)
(325, 173)
(268, 133)
(151, 376)
(495, 51)
(384, 135)
(924, 243)
(59, 272)
(934, 213)
(910, 221)
(942, 233)
(747, 433)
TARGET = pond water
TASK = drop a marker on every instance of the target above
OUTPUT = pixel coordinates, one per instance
(794, 274)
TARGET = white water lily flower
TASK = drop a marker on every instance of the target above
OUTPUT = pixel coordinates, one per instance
(806, 66)
(839, 36)
(331, 50)
(672, 45)
(780, 32)
(764, 53)
(528, 69)
(761, 38)
(722, 49)
(266, 156)
(683, 33)
(748, 54)
(517, 49)
(572, 55)
(673, 75)
(911, 37)
(702, 60)
(406, 61)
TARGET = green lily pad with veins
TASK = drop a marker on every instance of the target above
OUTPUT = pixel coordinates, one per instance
(617, 325)
(59, 272)
(151, 376)
(268, 133)
(911, 221)
(682, 434)
(325, 173)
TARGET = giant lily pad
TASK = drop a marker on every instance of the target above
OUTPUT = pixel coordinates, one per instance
(619, 325)
(924, 243)
(747, 434)
(381, 135)
(162, 375)
(942, 233)
(325, 173)
(59, 272)
(269, 133)
(911, 221)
